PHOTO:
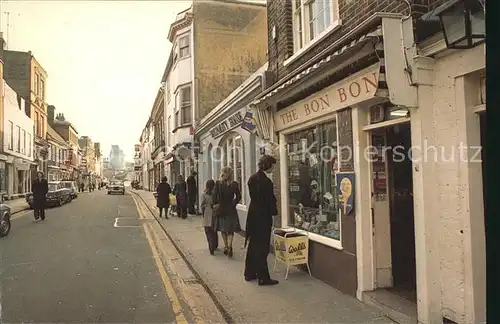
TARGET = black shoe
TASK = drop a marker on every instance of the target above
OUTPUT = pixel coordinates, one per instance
(230, 252)
(250, 278)
(212, 252)
(225, 251)
(268, 282)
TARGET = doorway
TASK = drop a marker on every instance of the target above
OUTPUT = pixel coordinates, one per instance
(482, 129)
(393, 212)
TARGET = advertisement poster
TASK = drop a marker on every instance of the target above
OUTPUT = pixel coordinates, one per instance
(249, 123)
(291, 250)
(345, 192)
(298, 250)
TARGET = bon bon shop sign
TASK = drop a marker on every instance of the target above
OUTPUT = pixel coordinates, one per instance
(355, 89)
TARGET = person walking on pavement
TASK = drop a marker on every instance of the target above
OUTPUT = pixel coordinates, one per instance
(192, 191)
(180, 192)
(208, 219)
(40, 188)
(262, 208)
(226, 195)
(163, 192)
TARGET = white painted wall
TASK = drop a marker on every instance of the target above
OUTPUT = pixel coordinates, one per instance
(16, 114)
(459, 185)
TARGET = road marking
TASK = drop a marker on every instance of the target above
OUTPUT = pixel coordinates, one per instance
(20, 214)
(167, 284)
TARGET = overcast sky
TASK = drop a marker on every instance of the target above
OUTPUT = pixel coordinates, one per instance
(104, 60)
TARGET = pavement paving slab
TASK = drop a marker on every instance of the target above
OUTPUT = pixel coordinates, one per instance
(300, 299)
(77, 267)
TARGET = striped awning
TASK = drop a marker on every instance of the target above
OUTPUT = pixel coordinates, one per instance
(374, 37)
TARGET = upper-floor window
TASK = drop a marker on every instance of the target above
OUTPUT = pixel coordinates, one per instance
(18, 139)
(29, 145)
(11, 135)
(169, 120)
(185, 105)
(37, 83)
(311, 18)
(24, 143)
(42, 89)
(184, 46)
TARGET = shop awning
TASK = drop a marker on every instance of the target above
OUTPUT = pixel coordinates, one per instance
(348, 54)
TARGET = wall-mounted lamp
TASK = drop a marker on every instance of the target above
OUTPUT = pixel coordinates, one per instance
(399, 111)
(462, 22)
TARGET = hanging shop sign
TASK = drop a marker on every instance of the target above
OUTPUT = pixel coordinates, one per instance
(290, 248)
(358, 88)
(249, 123)
(345, 192)
(226, 125)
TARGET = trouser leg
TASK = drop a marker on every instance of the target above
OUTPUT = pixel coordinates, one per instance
(42, 212)
(250, 271)
(161, 211)
(210, 237)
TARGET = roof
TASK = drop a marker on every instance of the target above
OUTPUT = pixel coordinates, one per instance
(54, 136)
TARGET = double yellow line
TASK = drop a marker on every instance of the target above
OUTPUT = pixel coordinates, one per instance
(167, 284)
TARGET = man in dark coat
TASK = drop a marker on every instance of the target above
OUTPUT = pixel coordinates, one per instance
(163, 192)
(263, 206)
(40, 187)
(192, 191)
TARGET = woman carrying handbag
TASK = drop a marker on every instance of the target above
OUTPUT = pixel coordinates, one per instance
(226, 195)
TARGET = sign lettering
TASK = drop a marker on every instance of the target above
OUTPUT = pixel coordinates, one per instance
(226, 125)
(342, 94)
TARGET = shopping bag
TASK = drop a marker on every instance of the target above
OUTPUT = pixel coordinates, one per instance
(171, 199)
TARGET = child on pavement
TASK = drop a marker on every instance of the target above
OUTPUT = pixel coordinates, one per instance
(208, 221)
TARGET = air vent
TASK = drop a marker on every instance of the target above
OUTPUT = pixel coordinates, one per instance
(377, 114)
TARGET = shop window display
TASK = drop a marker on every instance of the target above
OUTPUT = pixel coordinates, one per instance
(312, 166)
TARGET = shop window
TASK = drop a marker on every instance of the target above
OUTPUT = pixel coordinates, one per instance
(312, 19)
(312, 167)
(233, 156)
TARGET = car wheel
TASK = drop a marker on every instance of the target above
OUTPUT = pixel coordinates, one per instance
(5, 227)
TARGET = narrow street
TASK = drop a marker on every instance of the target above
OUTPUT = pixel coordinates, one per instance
(82, 264)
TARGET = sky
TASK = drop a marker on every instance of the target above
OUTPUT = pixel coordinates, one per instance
(104, 59)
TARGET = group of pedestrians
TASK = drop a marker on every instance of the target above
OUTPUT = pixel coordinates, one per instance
(218, 207)
(220, 215)
(185, 194)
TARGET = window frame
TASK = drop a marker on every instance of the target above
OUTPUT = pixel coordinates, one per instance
(230, 150)
(29, 145)
(11, 135)
(18, 139)
(285, 217)
(184, 106)
(186, 46)
(302, 42)
(24, 142)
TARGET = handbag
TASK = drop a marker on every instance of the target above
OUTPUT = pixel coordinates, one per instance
(216, 208)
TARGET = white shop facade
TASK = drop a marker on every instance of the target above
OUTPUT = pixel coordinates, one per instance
(358, 117)
(224, 142)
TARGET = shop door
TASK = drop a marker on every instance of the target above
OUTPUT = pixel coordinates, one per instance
(401, 209)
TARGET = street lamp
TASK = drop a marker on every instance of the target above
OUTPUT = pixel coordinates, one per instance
(462, 22)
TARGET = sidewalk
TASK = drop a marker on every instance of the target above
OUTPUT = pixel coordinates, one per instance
(17, 205)
(300, 299)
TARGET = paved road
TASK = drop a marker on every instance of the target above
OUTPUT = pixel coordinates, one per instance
(77, 267)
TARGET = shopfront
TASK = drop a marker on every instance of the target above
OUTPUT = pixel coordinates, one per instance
(317, 157)
(225, 140)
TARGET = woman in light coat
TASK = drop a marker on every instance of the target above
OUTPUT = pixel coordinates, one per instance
(208, 220)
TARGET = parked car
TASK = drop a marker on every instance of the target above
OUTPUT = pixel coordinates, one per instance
(72, 186)
(116, 187)
(58, 195)
(5, 213)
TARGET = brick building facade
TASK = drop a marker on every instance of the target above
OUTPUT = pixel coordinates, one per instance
(364, 78)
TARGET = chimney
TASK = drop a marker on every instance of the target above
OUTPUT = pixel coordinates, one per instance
(51, 110)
